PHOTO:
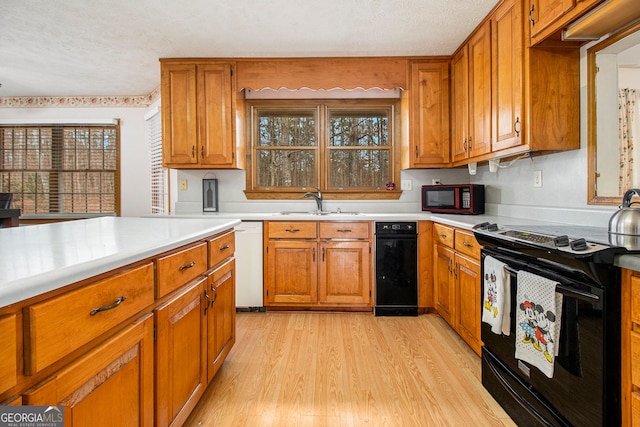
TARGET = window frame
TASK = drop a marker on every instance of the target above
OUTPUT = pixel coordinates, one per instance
(57, 151)
(323, 108)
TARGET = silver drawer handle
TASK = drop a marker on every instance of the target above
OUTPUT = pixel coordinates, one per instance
(292, 230)
(467, 244)
(184, 267)
(223, 247)
(108, 307)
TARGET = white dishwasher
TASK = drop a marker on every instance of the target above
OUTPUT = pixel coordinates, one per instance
(249, 266)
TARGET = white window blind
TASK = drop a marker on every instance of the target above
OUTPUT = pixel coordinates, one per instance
(159, 181)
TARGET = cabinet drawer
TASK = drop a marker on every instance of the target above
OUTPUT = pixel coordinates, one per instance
(466, 243)
(344, 230)
(292, 230)
(8, 349)
(62, 324)
(443, 234)
(177, 269)
(221, 248)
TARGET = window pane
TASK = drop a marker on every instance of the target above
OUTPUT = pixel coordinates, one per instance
(286, 168)
(359, 168)
(359, 128)
(286, 129)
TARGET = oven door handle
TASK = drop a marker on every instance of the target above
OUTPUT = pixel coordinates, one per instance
(523, 402)
(575, 293)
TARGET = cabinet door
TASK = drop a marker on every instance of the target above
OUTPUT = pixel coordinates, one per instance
(221, 316)
(112, 385)
(292, 272)
(8, 351)
(345, 273)
(444, 285)
(179, 114)
(429, 114)
(467, 272)
(507, 56)
(479, 140)
(460, 101)
(180, 353)
(543, 13)
(215, 115)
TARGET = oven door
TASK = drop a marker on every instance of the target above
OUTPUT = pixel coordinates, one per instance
(585, 388)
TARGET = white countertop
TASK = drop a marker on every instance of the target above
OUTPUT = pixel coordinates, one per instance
(40, 258)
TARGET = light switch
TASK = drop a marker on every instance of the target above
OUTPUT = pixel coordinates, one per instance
(406, 184)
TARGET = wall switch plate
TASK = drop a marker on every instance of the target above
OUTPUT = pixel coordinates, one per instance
(183, 184)
(406, 184)
(537, 179)
(435, 181)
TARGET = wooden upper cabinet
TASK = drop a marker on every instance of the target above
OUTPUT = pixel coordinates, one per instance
(507, 71)
(543, 13)
(197, 115)
(460, 100)
(429, 128)
(480, 91)
(471, 69)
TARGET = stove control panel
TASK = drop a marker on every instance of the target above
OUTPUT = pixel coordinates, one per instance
(562, 243)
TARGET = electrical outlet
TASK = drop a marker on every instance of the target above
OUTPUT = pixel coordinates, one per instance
(537, 179)
(406, 184)
(435, 181)
(183, 184)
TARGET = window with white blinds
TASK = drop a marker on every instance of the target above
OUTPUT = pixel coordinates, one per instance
(159, 181)
(61, 168)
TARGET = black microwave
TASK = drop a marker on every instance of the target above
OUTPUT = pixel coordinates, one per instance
(453, 198)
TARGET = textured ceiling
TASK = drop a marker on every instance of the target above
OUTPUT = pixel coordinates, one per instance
(97, 47)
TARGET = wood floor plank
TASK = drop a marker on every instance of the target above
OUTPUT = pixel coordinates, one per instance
(347, 369)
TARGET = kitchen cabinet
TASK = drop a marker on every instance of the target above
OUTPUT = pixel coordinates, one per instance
(137, 338)
(181, 367)
(220, 315)
(198, 101)
(195, 327)
(630, 340)
(457, 281)
(471, 69)
(9, 332)
(318, 264)
(429, 126)
(548, 17)
(110, 385)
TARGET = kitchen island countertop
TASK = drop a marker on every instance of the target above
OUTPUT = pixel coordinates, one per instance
(37, 259)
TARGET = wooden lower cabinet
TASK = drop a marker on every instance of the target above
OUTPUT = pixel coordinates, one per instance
(8, 351)
(457, 281)
(221, 316)
(344, 273)
(112, 385)
(318, 265)
(291, 274)
(630, 338)
(181, 369)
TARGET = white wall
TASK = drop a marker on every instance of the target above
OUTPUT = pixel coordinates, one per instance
(135, 169)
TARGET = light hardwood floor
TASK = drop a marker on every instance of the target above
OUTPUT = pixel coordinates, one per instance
(347, 369)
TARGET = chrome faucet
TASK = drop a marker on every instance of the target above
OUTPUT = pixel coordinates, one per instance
(317, 197)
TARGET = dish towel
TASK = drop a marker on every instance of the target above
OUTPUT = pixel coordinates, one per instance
(538, 319)
(496, 298)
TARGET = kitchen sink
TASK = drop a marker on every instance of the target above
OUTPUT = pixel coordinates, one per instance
(338, 212)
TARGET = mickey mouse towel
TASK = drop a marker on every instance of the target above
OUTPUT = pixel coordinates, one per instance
(496, 296)
(539, 309)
